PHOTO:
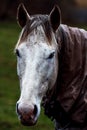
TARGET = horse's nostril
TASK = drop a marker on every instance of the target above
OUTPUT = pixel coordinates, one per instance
(35, 110)
(26, 110)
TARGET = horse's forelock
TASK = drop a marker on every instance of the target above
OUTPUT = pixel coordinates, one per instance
(36, 21)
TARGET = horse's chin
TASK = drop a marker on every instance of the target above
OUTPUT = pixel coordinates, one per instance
(28, 123)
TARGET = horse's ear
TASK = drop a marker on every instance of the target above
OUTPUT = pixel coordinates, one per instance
(55, 17)
(22, 15)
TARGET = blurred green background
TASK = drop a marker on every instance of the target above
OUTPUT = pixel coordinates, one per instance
(9, 32)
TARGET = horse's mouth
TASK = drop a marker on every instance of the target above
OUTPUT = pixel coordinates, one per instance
(28, 121)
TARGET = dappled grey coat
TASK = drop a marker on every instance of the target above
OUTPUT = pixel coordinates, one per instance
(67, 101)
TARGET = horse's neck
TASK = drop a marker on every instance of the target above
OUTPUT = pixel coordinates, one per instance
(70, 53)
(72, 74)
(68, 37)
(72, 64)
(70, 46)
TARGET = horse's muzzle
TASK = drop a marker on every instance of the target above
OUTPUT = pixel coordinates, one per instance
(27, 114)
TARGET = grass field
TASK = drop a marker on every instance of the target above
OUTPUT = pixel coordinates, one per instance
(9, 86)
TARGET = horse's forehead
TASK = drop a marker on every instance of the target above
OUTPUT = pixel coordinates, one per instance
(36, 36)
(38, 27)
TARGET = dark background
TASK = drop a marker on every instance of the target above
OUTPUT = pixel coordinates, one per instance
(73, 11)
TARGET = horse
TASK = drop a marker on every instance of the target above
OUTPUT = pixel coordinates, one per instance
(52, 70)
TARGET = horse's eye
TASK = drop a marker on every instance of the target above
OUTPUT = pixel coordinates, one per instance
(51, 55)
(18, 53)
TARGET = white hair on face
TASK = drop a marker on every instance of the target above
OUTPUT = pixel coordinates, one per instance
(37, 72)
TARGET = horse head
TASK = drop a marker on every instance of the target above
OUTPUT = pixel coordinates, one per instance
(37, 61)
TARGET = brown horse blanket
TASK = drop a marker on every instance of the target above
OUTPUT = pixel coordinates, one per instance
(68, 98)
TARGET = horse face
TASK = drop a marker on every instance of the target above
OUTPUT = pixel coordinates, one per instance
(37, 68)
